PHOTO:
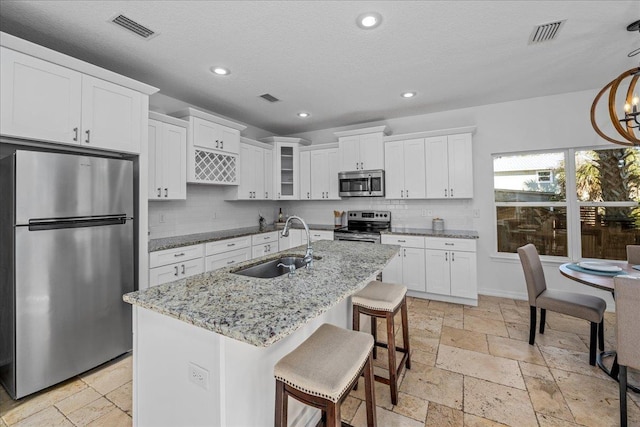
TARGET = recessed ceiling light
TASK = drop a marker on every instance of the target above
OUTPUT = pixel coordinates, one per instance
(220, 71)
(408, 94)
(369, 20)
(303, 114)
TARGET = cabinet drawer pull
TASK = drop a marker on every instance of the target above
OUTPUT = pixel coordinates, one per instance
(230, 262)
(176, 273)
(180, 254)
(446, 256)
(361, 165)
(453, 256)
(401, 241)
(266, 194)
(183, 269)
(451, 192)
(166, 192)
(266, 238)
(159, 192)
(217, 144)
(449, 244)
(222, 144)
(406, 193)
(401, 194)
(75, 134)
(445, 192)
(88, 132)
(405, 253)
(230, 244)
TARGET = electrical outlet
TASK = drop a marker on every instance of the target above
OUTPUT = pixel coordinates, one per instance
(476, 213)
(199, 376)
(424, 212)
(162, 219)
(429, 212)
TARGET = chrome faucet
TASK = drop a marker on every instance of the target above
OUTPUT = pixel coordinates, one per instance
(308, 256)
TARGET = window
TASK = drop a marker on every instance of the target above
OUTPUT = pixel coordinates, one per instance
(607, 187)
(532, 206)
(531, 202)
(545, 176)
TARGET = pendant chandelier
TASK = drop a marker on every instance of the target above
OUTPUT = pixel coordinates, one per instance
(630, 123)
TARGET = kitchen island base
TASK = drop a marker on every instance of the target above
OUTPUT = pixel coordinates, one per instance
(186, 375)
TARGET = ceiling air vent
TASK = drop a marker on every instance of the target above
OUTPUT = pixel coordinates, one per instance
(131, 25)
(269, 97)
(545, 32)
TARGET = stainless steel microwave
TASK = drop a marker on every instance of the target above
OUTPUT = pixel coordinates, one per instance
(362, 183)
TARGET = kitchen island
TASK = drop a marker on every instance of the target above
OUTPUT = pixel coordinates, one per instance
(205, 346)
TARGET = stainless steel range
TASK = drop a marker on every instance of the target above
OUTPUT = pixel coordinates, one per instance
(364, 226)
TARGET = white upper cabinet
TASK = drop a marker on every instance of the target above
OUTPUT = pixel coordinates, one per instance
(167, 158)
(44, 101)
(111, 116)
(305, 175)
(286, 152)
(405, 169)
(256, 172)
(449, 167)
(361, 149)
(323, 174)
(40, 100)
(213, 144)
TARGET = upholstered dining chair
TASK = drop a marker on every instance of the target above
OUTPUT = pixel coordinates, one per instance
(582, 306)
(627, 292)
(633, 254)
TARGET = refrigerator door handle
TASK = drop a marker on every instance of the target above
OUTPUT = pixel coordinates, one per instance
(77, 222)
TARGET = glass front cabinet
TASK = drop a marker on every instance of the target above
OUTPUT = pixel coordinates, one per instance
(287, 166)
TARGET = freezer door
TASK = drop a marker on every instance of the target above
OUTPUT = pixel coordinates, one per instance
(70, 316)
(54, 185)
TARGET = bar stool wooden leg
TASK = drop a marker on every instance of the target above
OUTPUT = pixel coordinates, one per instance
(369, 392)
(391, 348)
(405, 332)
(281, 405)
(374, 332)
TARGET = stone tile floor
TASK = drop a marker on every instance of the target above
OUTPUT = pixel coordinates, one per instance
(471, 366)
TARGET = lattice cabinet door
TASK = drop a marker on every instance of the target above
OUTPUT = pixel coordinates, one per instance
(213, 167)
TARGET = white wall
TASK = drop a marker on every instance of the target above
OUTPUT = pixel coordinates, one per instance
(545, 123)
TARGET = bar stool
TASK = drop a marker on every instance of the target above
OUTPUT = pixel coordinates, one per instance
(384, 300)
(321, 372)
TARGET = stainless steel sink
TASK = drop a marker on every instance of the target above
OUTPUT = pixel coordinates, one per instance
(271, 268)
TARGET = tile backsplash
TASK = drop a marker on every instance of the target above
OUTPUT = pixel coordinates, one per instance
(207, 210)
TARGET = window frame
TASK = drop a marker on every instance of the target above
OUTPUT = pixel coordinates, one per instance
(571, 204)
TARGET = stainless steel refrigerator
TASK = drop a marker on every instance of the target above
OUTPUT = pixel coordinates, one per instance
(67, 257)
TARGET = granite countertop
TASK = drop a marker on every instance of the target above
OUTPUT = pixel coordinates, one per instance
(263, 311)
(212, 236)
(427, 232)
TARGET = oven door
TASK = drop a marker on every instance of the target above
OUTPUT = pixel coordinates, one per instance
(357, 237)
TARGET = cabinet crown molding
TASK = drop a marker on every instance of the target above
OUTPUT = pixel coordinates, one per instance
(168, 119)
(275, 139)
(46, 54)
(316, 147)
(192, 112)
(430, 133)
(375, 129)
(255, 143)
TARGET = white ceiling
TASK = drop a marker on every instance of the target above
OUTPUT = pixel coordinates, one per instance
(312, 56)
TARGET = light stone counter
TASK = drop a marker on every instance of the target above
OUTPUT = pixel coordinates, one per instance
(212, 236)
(427, 232)
(261, 312)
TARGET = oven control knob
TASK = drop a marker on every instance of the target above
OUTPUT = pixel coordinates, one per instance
(385, 215)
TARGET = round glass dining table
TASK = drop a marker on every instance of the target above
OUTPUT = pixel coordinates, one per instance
(599, 280)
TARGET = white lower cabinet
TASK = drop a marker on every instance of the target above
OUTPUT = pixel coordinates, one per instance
(295, 238)
(264, 244)
(451, 266)
(224, 253)
(318, 235)
(174, 264)
(408, 268)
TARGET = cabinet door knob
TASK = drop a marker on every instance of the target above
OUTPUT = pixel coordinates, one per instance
(159, 192)
(405, 253)
(401, 194)
(446, 256)
(451, 192)
(183, 269)
(357, 167)
(75, 134)
(217, 144)
(266, 194)
(222, 144)
(362, 165)
(453, 258)
(176, 273)
(445, 192)
(406, 193)
(88, 132)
